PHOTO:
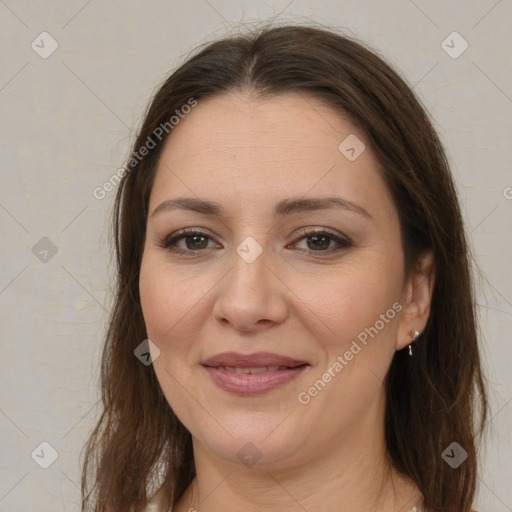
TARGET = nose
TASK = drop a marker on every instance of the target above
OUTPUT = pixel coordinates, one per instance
(252, 296)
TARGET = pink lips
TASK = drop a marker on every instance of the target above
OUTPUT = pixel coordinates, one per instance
(252, 374)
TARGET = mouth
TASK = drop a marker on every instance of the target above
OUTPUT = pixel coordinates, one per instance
(252, 374)
(252, 369)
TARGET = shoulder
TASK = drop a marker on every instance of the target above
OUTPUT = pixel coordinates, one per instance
(154, 504)
(152, 507)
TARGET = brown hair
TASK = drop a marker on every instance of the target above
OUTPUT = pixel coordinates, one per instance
(434, 398)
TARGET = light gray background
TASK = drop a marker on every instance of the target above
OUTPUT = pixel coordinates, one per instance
(67, 122)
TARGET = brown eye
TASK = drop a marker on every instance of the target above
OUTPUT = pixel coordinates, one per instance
(317, 242)
(195, 241)
(321, 242)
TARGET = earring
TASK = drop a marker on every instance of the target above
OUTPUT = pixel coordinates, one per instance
(413, 334)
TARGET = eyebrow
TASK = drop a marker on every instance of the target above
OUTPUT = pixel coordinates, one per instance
(282, 208)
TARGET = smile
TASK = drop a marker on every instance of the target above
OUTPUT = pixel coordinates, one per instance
(253, 380)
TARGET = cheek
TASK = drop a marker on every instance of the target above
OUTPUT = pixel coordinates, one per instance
(167, 297)
(350, 298)
(358, 317)
(155, 297)
(167, 304)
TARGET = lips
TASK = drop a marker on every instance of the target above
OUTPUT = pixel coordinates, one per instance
(252, 374)
(258, 360)
(252, 369)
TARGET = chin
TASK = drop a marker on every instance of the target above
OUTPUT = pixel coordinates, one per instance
(269, 443)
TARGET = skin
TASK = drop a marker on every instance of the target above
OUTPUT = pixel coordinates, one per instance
(248, 154)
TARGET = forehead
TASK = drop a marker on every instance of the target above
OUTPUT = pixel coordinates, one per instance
(293, 125)
(262, 150)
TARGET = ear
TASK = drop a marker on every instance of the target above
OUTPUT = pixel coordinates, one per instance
(416, 299)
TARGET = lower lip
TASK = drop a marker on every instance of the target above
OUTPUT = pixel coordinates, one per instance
(252, 383)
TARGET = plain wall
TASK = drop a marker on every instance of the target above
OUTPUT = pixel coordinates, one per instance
(66, 124)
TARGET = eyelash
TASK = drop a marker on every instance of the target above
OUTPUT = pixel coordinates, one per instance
(170, 242)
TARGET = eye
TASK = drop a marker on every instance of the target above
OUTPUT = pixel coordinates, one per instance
(195, 240)
(318, 241)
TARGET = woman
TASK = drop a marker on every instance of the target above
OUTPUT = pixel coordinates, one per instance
(294, 326)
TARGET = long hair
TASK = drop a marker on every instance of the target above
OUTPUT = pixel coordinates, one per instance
(434, 398)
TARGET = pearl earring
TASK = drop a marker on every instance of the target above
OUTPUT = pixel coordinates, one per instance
(413, 334)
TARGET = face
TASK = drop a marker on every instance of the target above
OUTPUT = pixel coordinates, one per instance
(309, 295)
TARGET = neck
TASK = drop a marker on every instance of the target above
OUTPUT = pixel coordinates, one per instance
(353, 473)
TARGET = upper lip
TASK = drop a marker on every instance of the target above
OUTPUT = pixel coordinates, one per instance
(259, 359)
